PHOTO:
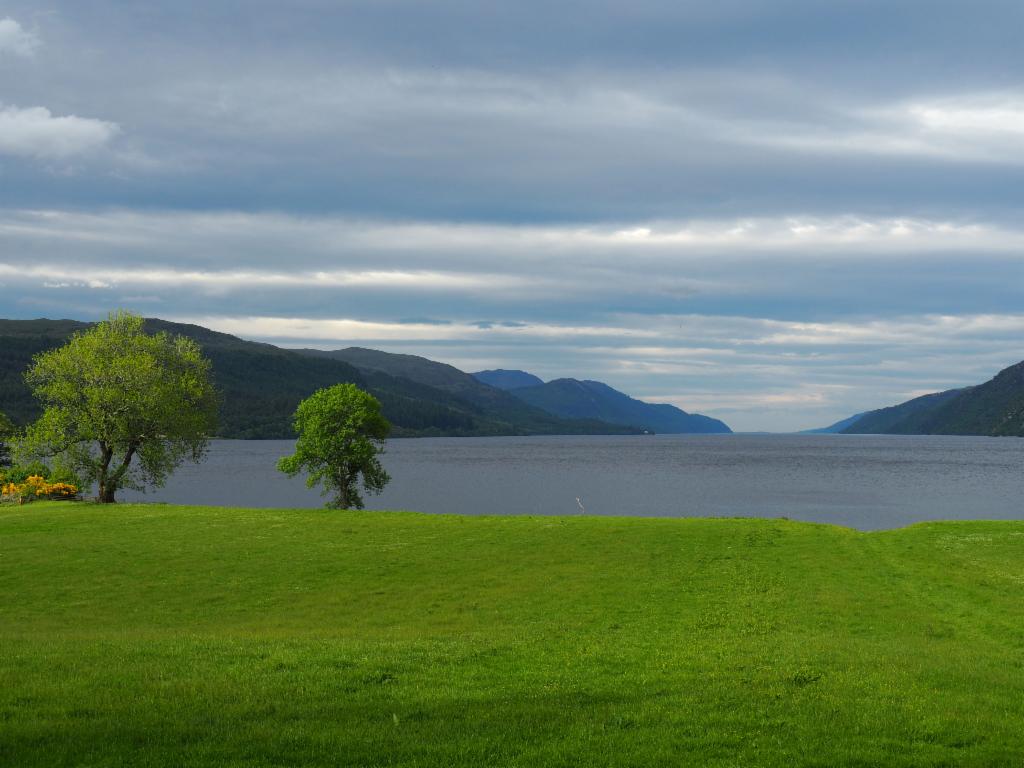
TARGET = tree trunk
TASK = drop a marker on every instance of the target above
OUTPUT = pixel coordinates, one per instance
(342, 499)
(106, 488)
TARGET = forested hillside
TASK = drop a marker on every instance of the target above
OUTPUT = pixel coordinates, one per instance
(994, 408)
(512, 414)
(262, 384)
(571, 398)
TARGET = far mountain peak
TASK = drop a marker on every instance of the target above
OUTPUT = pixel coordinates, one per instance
(507, 379)
(586, 399)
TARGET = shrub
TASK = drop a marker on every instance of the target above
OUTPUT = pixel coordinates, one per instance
(19, 485)
(20, 473)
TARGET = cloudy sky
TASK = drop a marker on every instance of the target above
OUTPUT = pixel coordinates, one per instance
(777, 213)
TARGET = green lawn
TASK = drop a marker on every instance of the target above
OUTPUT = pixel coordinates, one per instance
(158, 635)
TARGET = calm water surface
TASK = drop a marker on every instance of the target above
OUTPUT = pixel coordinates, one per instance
(866, 482)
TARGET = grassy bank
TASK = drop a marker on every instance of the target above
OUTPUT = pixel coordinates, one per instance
(157, 635)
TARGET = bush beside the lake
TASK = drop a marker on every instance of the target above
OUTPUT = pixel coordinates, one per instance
(20, 485)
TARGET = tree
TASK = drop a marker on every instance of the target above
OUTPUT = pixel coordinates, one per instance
(122, 408)
(6, 432)
(341, 433)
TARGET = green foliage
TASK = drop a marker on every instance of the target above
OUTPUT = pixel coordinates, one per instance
(122, 408)
(341, 433)
(230, 637)
(19, 473)
(7, 431)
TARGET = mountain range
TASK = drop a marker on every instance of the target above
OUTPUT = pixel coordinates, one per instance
(508, 380)
(834, 429)
(995, 408)
(261, 385)
(575, 399)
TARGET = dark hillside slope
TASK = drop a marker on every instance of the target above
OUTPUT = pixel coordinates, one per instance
(19, 341)
(275, 379)
(513, 414)
(508, 380)
(995, 408)
(594, 400)
(442, 376)
(896, 418)
(839, 426)
(999, 402)
(262, 384)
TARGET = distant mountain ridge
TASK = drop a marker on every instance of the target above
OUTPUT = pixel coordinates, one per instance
(995, 408)
(508, 379)
(262, 384)
(517, 416)
(572, 398)
(901, 418)
(833, 429)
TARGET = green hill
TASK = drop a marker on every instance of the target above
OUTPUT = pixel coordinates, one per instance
(508, 380)
(262, 384)
(995, 408)
(512, 411)
(570, 398)
(898, 419)
(155, 635)
(835, 428)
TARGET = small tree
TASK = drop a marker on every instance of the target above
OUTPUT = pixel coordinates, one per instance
(122, 408)
(6, 433)
(341, 433)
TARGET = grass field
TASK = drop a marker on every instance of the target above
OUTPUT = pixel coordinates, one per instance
(158, 635)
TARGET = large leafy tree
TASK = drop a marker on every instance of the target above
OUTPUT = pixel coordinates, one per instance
(122, 408)
(341, 434)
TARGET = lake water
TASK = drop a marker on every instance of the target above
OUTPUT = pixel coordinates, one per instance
(866, 482)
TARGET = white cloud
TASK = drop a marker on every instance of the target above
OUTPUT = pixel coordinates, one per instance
(294, 260)
(15, 39)
(323, 239)
(989, 114)
(668, 339)
(972, 127)
(220, 281)
(36, 132)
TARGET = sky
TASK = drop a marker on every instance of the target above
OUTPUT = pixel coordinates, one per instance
(775, 213)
